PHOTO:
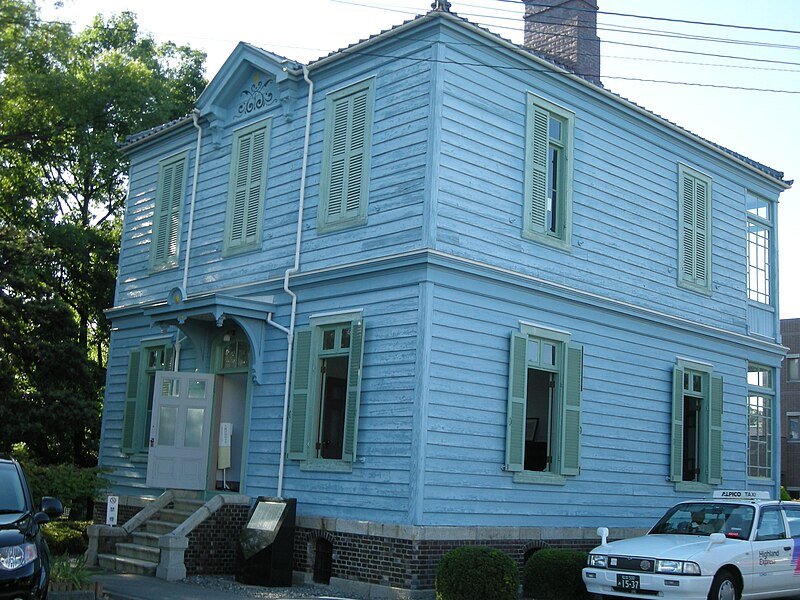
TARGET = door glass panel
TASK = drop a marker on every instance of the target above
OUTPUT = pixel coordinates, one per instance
(170, 387)
(194, 427)
(167, 419)
(197, 389)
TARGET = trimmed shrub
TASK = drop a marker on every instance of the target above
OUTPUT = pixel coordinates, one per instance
(477, 573)
(554, 574)
(66, 537)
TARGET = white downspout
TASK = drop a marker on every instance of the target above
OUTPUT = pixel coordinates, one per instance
(289, 272)
(184, 286)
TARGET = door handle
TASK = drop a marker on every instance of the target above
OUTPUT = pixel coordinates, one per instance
(787, 548)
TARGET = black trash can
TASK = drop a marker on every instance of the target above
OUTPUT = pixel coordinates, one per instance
(266, 545)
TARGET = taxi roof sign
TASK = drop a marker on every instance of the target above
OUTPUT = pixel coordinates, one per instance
(741, 495)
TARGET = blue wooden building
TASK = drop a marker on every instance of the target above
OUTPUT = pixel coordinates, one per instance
(440, 290)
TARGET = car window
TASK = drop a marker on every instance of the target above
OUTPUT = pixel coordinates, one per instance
(793, 516)
(705, 518)
(11, 497)
(770, 525)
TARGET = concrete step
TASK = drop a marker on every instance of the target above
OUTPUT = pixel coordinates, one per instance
(144, 538)
(139, 552)
(173, 515)
(122, 564)
(187, 504)
(160, 527)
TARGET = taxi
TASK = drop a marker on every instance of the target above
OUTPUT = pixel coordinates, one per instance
(737, 545)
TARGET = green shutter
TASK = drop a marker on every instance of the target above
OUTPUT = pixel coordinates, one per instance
(701, 233)
(676, 454)
(131, 402)
(571, 422)
(169, 201)
(300, 394)
(246, 193)
(715, 432)
(695, 225)
(345, 183)
(353, 391)
(536, 168)
(517, 400)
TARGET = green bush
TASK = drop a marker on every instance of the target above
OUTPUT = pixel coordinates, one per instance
(66, 537)
(476, 573)
(555, 574)
(784, 494)
(69, 570)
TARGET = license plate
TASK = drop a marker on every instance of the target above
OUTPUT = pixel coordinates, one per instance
(628, 582)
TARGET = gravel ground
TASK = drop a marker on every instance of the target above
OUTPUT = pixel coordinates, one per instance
(228, 584)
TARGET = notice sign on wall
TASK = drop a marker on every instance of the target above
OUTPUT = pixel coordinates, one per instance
(112, 508)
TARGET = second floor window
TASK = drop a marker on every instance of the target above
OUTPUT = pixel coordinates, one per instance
(247, 188)
(759, 240)
(694, 230)
(548, 172)
(168, 211)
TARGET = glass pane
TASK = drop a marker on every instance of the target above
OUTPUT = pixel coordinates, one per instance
(793, 368)
(548, 354)
(533, 351)
(555, 129)
(229, 356)
(197, 389)
(170, 388)
(243, 355)
(794, 428)
(328, 339)
(155, 359)
(759, 376)
(346, 337)
(758, 206)
(194, 427)
(167, 419)
(697, 383)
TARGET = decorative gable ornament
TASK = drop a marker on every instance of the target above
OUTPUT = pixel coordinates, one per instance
(260, 95)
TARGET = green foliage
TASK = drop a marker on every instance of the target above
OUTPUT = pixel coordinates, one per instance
(555, 574)
(476, 573)
(66, 101)
(67, 537)
(71, 570)
(784, 494)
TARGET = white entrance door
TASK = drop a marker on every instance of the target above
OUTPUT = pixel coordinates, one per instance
(180, 430)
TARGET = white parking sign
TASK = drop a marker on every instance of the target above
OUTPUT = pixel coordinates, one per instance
(111, 510)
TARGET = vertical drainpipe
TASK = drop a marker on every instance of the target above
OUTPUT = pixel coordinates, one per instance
(184, 284)
(289, 272)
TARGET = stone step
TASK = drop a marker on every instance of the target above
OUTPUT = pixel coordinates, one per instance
(144, 538)
(173, 515)
(160, 527)
(187, 504)
(122, 564)
(139, 552)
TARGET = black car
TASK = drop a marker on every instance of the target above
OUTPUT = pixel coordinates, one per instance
(24, 557)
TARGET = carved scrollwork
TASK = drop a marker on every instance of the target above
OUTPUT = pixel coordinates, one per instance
(260, 95)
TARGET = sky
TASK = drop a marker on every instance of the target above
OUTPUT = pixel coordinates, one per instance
(649, 55)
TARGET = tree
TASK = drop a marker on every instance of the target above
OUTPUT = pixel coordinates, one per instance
(66, 102)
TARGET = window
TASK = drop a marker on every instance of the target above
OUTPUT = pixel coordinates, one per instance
(247, 188)
(326, 385)
(760, 393)
(155, 355)
(793, 430)
(792, 368)
(168, 209)
(759, 259)
(694, 230)
(770, 525)
(696, 454)
(548, 173)
(544, 406)
(346, 159)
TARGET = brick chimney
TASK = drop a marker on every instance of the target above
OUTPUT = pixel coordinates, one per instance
(566, 32)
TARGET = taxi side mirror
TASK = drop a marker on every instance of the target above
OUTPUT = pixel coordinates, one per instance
(716, 538)
(602, 532)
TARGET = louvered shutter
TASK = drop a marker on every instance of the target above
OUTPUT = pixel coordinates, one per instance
(347, 188)
(695, 229)
(715, 432)
(571, 423)
(517, 399)
(676, 453)
(536, 168)
(300, 394)
(168, 210)
(353, 391)
(247, 189)
(131, 403)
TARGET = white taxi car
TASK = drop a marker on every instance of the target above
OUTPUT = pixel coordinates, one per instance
(737, 545)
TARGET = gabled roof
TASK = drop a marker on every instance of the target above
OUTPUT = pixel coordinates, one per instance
(263, 59)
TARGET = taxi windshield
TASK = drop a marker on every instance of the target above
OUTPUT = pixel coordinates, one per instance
(705, 518)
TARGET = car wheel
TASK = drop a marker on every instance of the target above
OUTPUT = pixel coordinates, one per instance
(724, 587)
